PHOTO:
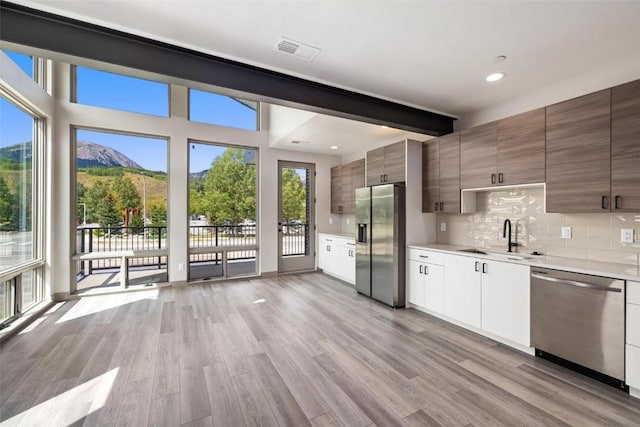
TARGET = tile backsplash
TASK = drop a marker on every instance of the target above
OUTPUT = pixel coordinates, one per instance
(594, 237)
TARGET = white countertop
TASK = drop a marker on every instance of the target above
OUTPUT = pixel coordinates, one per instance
(338, 234)
(596, 268)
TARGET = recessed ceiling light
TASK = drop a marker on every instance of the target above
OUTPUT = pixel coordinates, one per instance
(334, 147)
(499, 58)
(494, 77)
(384, 127)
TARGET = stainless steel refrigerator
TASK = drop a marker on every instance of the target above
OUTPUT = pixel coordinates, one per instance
(380, 260)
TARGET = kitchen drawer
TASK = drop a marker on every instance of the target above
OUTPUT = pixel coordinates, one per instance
(632, 370)
(633, 324)
(633, 292)
(327, 240)
(346, 243)
(426, 256)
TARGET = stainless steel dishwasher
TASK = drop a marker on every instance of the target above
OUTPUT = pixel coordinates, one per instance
(578, 320)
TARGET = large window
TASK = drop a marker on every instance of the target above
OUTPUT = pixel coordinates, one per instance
(121, 194)
(212, 108)
(119, 92)
(20, 206)
(222, 205)
(16, 185)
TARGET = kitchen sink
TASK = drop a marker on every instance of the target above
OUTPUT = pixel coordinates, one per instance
(503, 255)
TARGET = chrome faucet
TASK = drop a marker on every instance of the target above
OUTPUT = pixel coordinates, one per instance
(510, 244)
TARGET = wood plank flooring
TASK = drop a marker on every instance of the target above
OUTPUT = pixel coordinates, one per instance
(289, 351)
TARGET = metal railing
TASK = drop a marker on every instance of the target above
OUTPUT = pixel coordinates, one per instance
(111, 239)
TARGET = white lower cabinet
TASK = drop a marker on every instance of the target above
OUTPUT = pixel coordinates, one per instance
(462, 289)
(505, 301)
(632, 349)
(489, 295)
(337, 257)
(425, 281)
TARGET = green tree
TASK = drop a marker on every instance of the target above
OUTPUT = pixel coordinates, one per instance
(158, 214)
(107, 212)
(7, 203)
(230, 189)
(94, 198)
(196, 196)
(125, 193)
(293, 196)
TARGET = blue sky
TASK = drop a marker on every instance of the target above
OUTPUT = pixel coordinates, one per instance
(136, 95)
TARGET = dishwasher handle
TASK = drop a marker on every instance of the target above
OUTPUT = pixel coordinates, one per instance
(574, 283)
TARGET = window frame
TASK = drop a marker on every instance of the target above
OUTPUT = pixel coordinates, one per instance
(35, 265)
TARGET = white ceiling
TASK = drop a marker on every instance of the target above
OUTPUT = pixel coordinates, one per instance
(429, 54)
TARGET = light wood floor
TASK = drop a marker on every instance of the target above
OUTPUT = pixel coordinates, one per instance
(291, 351)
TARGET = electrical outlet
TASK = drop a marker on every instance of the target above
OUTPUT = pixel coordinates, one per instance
(626, 235)
(348, 221)
(330, 220)
(443, 226)
(565, 233)
(181, 266)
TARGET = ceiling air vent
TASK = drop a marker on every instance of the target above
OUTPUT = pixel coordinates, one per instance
(297, 49)
(298, 142)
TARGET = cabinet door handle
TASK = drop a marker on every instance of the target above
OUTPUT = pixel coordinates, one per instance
(618, 199)
(426, 269)
(381, 178)
(436, 206)
(500, 177)
(477, 266)
(386, 178)
(605, 204)
(421, 269)
(493, 178)
(423, 256)
(484, 268)
(441, 207)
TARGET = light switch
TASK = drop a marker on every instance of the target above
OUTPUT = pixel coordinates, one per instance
(626, 235)
(330, 220)
(443, 226)
(565, 233)
(347, 221)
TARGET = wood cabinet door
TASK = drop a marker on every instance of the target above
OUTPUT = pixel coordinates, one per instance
(348, 196)
(521, 148)
(357, 174)
(375, 166)
(431, 175)
(450, 173)
(505, 301)
(478, 149)
(625, 147)
(395, 160)
(336, 189)
(578, 160)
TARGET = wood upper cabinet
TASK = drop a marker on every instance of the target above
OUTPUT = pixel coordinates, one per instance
(386, 165)
(357, 175)
(507, 152)
(521, 148)
(431, 175)
(450, 173)
(441, 174)
(344, 180)
(478, 156)
(625, 147)
(578, 161)
(375, 166)
(336, 189)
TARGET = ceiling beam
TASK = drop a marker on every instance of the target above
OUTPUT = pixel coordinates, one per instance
(56, 33)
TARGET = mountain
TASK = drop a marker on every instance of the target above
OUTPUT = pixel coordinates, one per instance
(89, 155)
(15, 153)
(199, 175)
(95, 155)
